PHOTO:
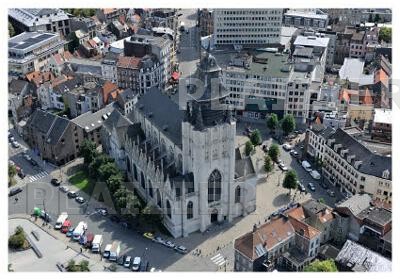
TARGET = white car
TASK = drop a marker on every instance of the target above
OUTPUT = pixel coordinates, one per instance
(169, 244)
(64, 189)
(80, 199)
(27, 157)
(127, 262)
(158, 239)
(136, 263)
(287, 147)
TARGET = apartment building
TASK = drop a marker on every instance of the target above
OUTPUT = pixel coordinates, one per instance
(109, 67)
(355, 168)
(30, 51)
(244, 28)
(40, 20)
(306, 18)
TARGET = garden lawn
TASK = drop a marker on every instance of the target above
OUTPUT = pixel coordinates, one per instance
(82, 181)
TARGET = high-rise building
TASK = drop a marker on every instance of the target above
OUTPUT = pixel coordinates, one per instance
(247, 27)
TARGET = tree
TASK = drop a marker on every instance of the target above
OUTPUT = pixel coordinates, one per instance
(273, 152)
(377, 18)
(385, 34)
(18, 239)
(88, 151)
(151, 215)
(288, 124)
(268, 164)
(12, 171)
(272, 122)
(71, 266)
(133, 204)
(321, 266)
(98, 161)
(11, 31)
(248, 148)
(114, 182)
(120, 197)
(84, 266)
(290, 181)
(255, 137)
(321, 200)
(106, 170)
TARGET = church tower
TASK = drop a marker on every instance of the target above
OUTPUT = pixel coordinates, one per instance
(208, 146)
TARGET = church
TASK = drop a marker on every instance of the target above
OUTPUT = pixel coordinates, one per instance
(184, 160)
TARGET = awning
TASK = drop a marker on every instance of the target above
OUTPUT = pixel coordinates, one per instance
(175, 75)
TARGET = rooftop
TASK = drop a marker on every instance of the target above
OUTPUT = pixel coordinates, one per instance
(263, 63)
(352, 70)
(312, 41)
(357, 258)
(383, 116)
(317, 14)
(356, 204)
(28, 41)
(377, 215)
(29, 17)
(90, 121)
(256, 243)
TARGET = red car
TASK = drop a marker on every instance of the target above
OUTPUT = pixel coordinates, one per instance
(65, 226)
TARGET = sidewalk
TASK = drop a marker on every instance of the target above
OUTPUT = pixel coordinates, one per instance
(54, 251)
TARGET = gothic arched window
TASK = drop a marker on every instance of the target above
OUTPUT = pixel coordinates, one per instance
(189, 213)
(168, 209)
(150, 188)
(214, 186)
(237, 194)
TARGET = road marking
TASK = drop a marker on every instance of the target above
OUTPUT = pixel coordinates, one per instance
(218, 259)
(38, 176)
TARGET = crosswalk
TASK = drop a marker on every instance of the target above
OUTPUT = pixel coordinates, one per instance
(218, 259)
(37, 176)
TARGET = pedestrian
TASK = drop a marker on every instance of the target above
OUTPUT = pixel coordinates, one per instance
(16, 200)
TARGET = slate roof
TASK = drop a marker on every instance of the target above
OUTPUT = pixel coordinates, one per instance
(16, 86)
(356, 203)
(163, 113)
(372, 163)
(58, 129)
(358, 258)
(90, 121)
(48, 124)
(379, 216)
(127, 95)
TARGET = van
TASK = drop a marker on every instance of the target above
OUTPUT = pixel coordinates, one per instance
(97, 242)
(79, 231)
(315, 175)
(306, 165)
(106, 253)
(114, 251)
(60, 220)
(89, 240)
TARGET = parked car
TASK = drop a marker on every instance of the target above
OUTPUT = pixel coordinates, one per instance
(294, 153)
(27, 157)
(45, 216)
(70, 232)
(282, 167)
(158, 239)
(102, 211)
(127, 261)
(55, 182)
(144, 266)
(287, 147)
(14, 191)
(64, 189)
(80, 200)
(21, 173)
(15, 144)
(121, 260)
(181, 249)
(331, 193)
(311, 186)
(169, 244)
(72, 194)
(148, 235)
(301, 186)
(136, 263)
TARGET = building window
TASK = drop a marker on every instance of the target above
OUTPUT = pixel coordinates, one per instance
(214, 186)
(150, 188)
(189, 214)
(168, 209)
(237, 194)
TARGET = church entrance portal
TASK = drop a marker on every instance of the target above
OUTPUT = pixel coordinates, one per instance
(214, 216)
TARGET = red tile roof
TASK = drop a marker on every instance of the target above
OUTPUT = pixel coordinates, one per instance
(303, 229)
(108, 89)
(267, 235)
(297, 213)
(39, 77)
(381, 76)
(128, 62)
